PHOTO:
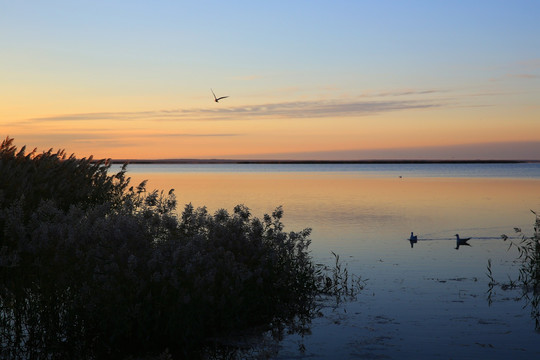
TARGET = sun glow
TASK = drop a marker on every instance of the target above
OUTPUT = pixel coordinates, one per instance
(126, 91)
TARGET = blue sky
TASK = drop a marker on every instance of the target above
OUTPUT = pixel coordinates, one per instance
(384, 71)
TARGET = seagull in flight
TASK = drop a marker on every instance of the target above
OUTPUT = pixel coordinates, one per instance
(216, 99)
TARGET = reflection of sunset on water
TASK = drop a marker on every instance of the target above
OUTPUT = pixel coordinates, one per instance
(344, 207)
(430, 291)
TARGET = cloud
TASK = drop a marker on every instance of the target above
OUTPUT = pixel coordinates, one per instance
(113, 139)
(82, 137)
(522, 150)
(289, 110)
(405, 92)
(525, 76)
(196, 135)
(70, 136)
(328, 108)
(530, 63)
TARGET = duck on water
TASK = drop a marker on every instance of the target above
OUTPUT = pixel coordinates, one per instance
(413, 239)
(461, 241)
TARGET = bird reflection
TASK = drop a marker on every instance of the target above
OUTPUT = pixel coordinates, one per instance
(461, 242)
(413, 239)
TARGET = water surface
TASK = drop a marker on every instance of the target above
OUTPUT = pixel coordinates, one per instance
(428, 301)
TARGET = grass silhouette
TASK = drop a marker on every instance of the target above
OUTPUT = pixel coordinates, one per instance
(528, 280)
(92, 267)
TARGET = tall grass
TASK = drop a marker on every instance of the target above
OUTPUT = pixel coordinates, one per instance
(528, 280)
(94, 268)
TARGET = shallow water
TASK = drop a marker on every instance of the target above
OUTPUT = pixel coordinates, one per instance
(428, 301)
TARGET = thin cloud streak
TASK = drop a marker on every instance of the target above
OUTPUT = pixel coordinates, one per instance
(522, 150)
(106, 138)
(525, 76)
(406, 92)
(197, 135)
(82, 136)
(290, 110)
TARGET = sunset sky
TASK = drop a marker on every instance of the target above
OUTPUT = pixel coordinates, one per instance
(305, 79)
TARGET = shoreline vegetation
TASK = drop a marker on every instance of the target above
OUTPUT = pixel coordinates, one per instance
(92, 267)
(528, 279)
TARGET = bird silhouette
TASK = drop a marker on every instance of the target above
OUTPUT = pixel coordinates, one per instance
(216, 99)
(461, 242)
(413, 239)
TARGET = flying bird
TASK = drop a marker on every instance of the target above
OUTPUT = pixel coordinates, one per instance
(461, 242)
(216, 99)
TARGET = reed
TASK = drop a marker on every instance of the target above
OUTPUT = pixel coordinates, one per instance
(528, 280)
(92, 267)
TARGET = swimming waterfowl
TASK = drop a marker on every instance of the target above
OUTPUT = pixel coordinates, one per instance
(216, 99)
(413, 239)
(461, 242)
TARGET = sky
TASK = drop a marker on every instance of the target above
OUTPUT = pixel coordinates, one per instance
(329, 80)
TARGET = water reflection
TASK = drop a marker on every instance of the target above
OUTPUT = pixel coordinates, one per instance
(362, 215)
(431, 292)
(413, 239)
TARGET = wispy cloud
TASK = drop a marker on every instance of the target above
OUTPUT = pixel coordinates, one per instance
(290, 110)
(114, 140)
(96, 136)
(530, 63)
(522, 150)
(403, 92)
(196, 135)
(525, 76)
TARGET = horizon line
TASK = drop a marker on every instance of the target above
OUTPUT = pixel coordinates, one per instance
(305, 161)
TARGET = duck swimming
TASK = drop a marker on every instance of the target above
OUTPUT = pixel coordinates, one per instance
(413, 239)
(461, 242)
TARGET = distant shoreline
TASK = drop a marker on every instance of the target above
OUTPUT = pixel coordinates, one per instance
(225, 161)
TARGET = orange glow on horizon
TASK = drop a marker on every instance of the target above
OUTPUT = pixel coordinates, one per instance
(354, 199)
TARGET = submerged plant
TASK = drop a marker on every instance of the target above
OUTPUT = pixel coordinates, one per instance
(528, 280)
(337, 282)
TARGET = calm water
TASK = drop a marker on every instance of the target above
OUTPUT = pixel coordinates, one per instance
(423, 302)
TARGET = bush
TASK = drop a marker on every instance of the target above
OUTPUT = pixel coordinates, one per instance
(92, 269)
(31, 178)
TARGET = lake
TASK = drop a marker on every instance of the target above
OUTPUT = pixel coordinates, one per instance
(426, 301)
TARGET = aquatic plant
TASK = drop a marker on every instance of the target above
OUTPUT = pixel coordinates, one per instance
(93, 268)
(338, 283)
(30, 178)
(528, 280)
